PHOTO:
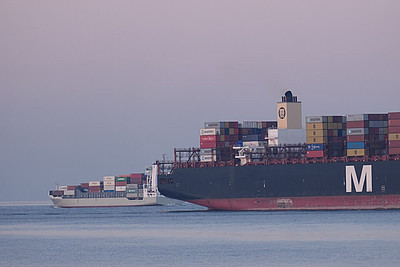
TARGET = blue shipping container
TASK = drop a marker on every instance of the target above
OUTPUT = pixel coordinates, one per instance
(315, 147)
(252, 137)
(355, 145)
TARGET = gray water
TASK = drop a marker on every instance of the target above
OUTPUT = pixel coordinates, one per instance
(188, 235)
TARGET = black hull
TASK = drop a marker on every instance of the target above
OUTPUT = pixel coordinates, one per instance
(288, 186)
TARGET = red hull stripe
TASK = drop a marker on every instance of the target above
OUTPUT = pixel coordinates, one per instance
(363, 202)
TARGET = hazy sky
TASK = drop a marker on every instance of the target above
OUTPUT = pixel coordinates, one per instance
(94, 88)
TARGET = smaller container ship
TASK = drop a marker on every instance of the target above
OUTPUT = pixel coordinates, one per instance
(136, 189)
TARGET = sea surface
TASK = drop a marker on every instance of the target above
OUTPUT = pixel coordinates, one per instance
(189, 235)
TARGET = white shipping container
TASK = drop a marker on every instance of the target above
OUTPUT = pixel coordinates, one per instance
(250, 124)
(277, 137)
(109, 178)
(94, 183)
(131, 186)
(209, 131)
(315, 119)
(207, 151)
(109, 187)
(120, 188)
(69, 192)
(357, 117)
(63, 187)
(109, 183)
(208, 158)
(357, 131)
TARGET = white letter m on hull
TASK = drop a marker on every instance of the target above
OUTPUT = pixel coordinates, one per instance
(351, 176)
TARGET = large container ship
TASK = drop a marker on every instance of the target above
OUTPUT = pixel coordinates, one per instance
(334, 163)
(136, 189)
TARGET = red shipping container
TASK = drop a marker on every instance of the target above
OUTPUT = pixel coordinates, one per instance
(208, 144)
(357, 124)
(71, 187)
(394, 129)
(394, 150)
(120, 183)
(208, 138)
(58, 193)
(394, 143)
(211, 144)
(315, 154)
(85, 185)
(356, 138)
(393, 123)
(236, 131)
(136, 181)
(136, 175)
(394, 116)
(94, 189)
(124, 176)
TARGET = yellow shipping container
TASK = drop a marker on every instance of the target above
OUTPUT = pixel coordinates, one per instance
(339, 125)
(316, 126)
(356, 152)
(231, 131)
(316, 140)
(394, 136)
(312, 133)
(330, 119)
(222, 138)
(331, 125)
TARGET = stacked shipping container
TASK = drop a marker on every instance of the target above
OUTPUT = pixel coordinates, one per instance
(109, 183)
(394, 133)
(121, 182)
(325, 136)
(136, 178)
(255, 130)
(217, 138)
(367, 134)
(94, 186)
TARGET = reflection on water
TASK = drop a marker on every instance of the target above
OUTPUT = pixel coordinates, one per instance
(164, 236)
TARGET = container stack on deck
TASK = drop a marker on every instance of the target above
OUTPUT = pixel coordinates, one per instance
(110, 186)
(394, 133)
(217, 138)
(325, 136)
(94, 186)
(367, 134)
(255, 133)
(109, 183)
(121, 182)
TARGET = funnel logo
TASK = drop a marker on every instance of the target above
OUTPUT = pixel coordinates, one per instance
(351, 178)
(282, 113)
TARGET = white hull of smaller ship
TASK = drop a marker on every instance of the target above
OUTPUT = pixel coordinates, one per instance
(102, 202)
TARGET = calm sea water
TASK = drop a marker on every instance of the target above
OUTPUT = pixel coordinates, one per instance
(187, 235)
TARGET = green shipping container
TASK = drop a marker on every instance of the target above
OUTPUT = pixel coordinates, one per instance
(122, 179)
(132, 190)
